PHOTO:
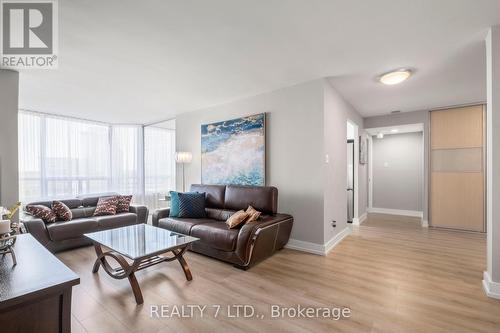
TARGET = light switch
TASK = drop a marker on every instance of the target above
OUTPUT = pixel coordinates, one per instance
(327, 158)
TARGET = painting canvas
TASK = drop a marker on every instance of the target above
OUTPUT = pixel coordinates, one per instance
(233, 151)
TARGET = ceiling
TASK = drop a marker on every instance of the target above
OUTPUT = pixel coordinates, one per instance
(400, 129)
(140, 62)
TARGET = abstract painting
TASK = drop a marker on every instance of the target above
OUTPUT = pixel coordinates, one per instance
(233, 151)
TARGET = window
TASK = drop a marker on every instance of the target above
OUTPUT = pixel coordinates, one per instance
(61, 158)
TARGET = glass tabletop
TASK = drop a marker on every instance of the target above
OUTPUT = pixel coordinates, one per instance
(141, 240)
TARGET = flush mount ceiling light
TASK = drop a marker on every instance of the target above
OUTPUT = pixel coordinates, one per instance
(395, 77)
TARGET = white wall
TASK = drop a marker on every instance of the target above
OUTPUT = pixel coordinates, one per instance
(9, 92)
(304, 123)
(398, 171)
(337, 112)
(294, 155)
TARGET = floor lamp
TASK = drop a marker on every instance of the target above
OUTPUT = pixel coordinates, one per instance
(183, 158)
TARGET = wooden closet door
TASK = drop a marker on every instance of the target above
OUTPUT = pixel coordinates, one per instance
(457, 168)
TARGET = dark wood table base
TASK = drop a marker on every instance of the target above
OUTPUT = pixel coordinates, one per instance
(127, 270)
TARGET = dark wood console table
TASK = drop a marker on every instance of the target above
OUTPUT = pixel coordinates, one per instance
(35, 294)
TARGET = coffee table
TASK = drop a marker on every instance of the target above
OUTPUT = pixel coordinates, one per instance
(144, 246)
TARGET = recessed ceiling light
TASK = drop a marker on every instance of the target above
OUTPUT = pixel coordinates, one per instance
(395, 77)
(380, 135)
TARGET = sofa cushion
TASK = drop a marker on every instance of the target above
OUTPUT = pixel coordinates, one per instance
(115, 221)
(174, 203)
(82, 212)
(192, 205)
(42, 212)
(217, 235)
(71, 229)
(214, 194)
(123, 205)
(237, 219)
(219, 214)
(262, 198)
(106, 206)
(180, 225)
(253, 214)
(62, 211)
(91, 200)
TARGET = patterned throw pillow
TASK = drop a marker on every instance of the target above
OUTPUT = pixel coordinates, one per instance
(192, 205)
(236, 219)
(253, 214)
(62, 211)
(106, 206)
(123, 205)
(174, 203)
(42, 212)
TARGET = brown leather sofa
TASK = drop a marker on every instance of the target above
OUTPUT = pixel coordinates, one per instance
(63, 235)
(244, 246)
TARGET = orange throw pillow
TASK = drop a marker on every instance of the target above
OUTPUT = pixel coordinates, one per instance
(253, 214)
(236, 219)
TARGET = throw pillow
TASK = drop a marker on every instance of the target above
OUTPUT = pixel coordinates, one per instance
(123, 205)
(106, 206)
(253, 214)
(236, 219)
(42, 212)
(62, 211)
(174, 203)
(192, 205)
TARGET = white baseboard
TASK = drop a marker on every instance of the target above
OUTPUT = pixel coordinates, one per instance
(309, 247)
(414, 213)
(318, 249)
(425, 223)
(492, 289)
(359, 220)
(330, 245)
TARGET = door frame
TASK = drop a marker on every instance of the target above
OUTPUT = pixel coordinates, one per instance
(355, 218)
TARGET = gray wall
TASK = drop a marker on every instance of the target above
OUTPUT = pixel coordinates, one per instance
(336, 113)
(294, 136)
(417, 117)
(9, 92)
(398, 171)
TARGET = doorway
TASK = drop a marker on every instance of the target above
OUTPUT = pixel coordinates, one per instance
(352, 193)
(350, 180)
(397, 170)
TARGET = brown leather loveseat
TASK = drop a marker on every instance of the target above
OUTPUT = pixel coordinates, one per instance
(243, 246)
(62, 235)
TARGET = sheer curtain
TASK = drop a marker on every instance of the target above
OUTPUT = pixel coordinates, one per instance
(127, 171)
(63, 157)
(159, 164)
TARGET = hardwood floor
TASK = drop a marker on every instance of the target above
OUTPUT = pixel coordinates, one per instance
(394, 276)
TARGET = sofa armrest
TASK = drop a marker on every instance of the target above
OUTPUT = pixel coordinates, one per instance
(160, 214)
(259, 239)
(36, 227)
(141, 212)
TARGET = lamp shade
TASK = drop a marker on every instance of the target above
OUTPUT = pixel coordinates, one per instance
(183, 157)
